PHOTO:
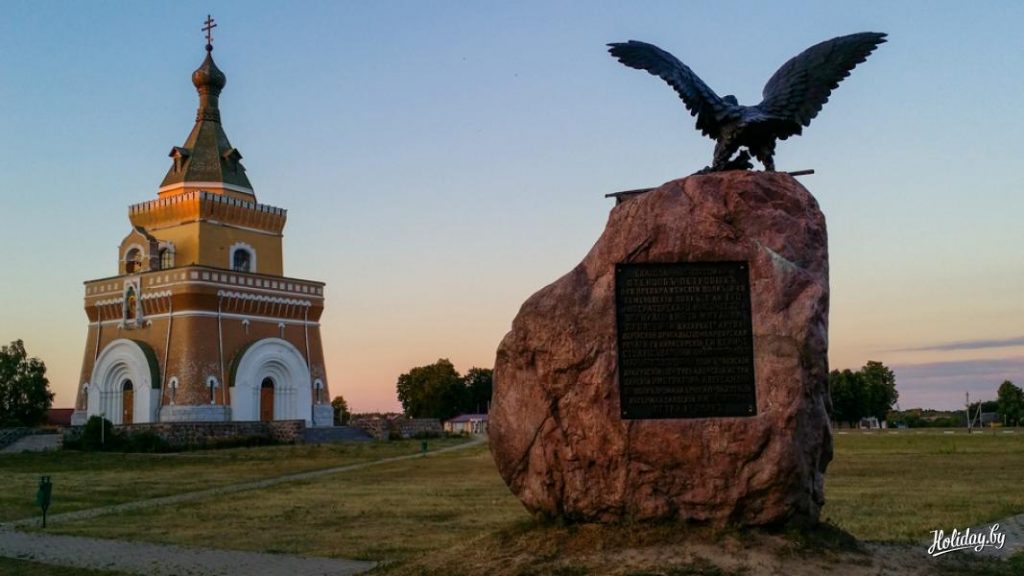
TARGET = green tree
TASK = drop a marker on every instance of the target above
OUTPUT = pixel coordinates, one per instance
(433, 391)
(24, 390)
(879, 389)
(1011, 403)
(847, 391)
(479, 383)
(341, 413)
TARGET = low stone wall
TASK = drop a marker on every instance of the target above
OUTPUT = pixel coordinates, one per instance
(180, 435)
(383, 429)
(376, 427)
(416, 426)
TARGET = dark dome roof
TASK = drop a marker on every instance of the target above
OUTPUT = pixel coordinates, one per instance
(209, 78)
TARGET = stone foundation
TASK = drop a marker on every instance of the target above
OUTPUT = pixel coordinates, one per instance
(323, 415)
(199, 434)
(200, 413)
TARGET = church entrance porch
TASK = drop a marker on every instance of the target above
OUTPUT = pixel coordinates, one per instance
(271, 382)
(122, 384)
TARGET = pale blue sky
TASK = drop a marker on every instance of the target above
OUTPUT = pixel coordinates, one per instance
(441, 161)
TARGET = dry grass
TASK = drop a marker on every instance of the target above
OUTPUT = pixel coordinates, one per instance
(452, 514)
(901, 486)
(388, 512)
(88, 480)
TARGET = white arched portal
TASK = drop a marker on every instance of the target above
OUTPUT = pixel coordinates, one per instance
(121, 361)
(282, 363)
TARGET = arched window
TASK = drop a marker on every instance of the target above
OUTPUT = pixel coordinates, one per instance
(132, 261)
(166, 258)
(241, 262)
(243, 258)
(318, 391)
(211, 383)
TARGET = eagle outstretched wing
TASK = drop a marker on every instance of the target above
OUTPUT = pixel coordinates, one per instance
(799, 89)
(700, 100)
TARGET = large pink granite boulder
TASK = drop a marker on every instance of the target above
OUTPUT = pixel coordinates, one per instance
(555, 427)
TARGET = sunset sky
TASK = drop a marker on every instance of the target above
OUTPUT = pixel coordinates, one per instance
(442, 160)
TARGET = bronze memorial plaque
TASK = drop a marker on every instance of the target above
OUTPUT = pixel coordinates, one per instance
(686, 346)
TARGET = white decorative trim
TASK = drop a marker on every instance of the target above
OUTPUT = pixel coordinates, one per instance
(224, 185)
(314, 291)
(259, 298)
(280, 361)
(225, 315)
(252, 257)
(121, 360)
(152, 295)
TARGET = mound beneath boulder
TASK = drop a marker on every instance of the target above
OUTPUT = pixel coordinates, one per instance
(557, 430)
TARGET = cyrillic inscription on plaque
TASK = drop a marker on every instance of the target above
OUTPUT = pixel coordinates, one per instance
(686, 346)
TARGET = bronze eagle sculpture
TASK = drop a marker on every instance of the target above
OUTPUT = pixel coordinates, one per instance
(792, 97)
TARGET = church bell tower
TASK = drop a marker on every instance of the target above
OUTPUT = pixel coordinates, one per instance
(200, 324)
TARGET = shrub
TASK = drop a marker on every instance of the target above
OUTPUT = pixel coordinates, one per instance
(99, 434)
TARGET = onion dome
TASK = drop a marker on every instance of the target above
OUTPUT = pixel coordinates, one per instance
(207, 156)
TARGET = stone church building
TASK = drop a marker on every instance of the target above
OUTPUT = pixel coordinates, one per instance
(200, 324)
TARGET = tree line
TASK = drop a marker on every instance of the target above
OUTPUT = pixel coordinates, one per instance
(25, 394)
(438, 391)
(868, 392)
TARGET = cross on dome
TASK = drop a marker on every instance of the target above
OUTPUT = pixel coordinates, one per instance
(210, 25)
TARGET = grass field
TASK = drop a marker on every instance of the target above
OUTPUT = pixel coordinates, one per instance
(443, 513)
(898, 486)
(88, 480)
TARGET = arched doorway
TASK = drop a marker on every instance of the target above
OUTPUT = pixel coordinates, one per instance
(127, 402)
(290, 395)
(267, 400)
(121, 384)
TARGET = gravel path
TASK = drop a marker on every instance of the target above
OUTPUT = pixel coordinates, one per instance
(1012, 528)
(34, 443)
(164, 560)
(161, 559)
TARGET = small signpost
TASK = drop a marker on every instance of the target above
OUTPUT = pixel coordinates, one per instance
(43, 495)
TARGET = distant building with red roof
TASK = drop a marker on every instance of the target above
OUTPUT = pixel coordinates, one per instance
(59, 416)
